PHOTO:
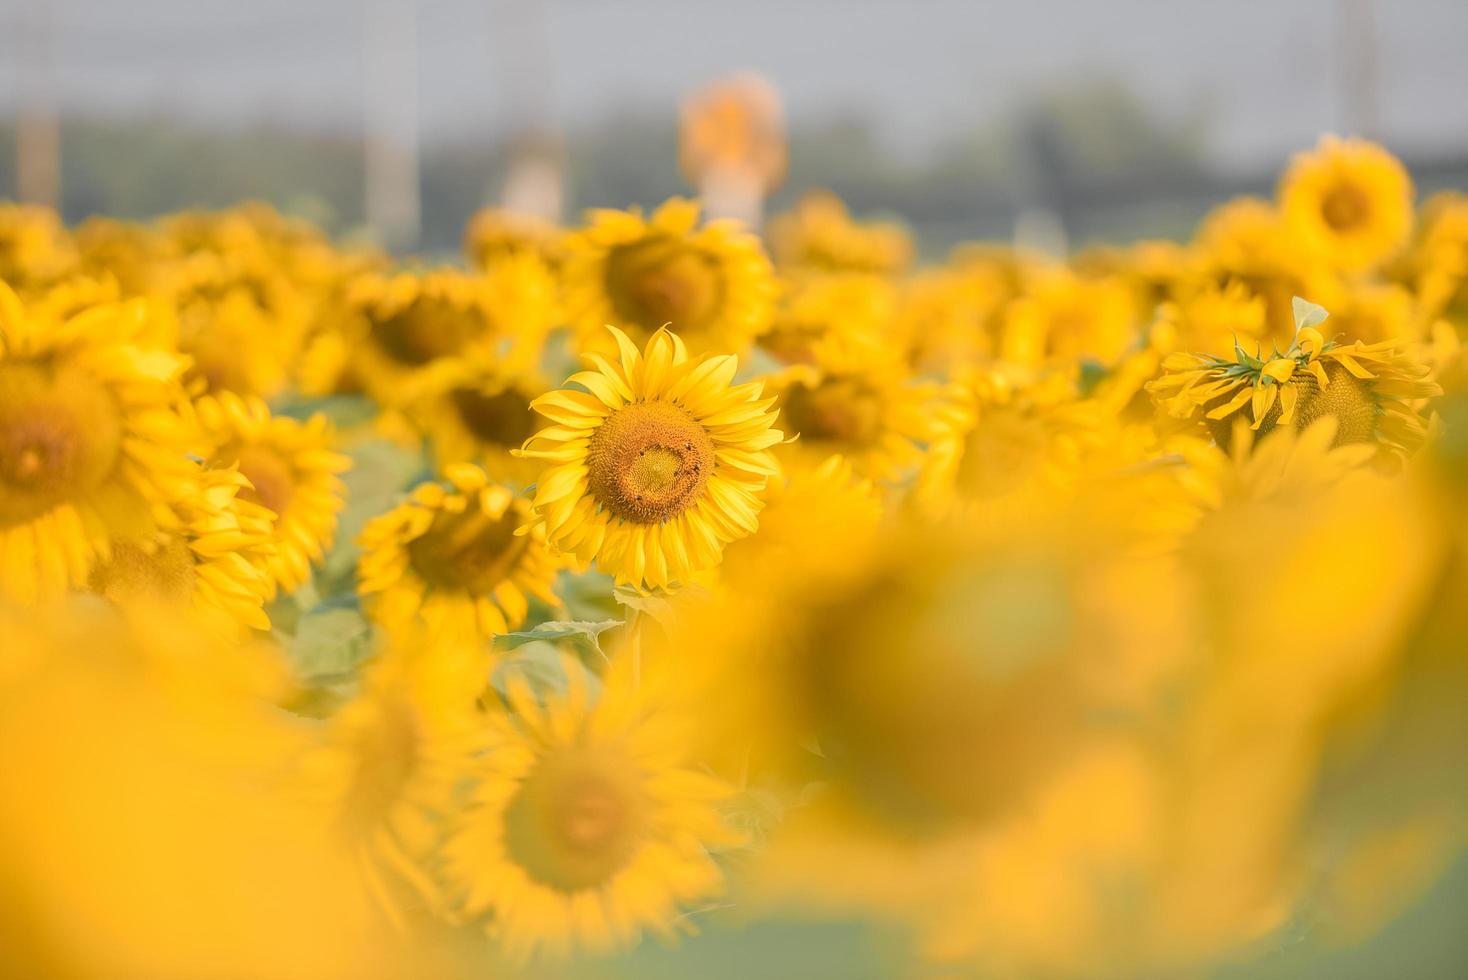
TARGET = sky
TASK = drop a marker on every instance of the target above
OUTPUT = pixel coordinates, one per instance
(1268, 73)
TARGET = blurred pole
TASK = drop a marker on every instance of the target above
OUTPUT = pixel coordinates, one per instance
(535, 174)
(1358, 65)
(37, 124)
(390, 144)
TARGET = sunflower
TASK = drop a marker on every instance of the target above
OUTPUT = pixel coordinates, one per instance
(1065, 318)
(477, 412)
(399, 327)
(450, 558)
(1350, 201)
(292, 473)
(831, 315)
(390, 760)
(1010, 436)
(819, 234)
(91, 446)
(1368, 388)
(1210, 319)
(494, 233)
(949, 316)
(712, 284)
(35, 249)
(587, 826)
(657, 464)
(213, 562)
(867, 410)
(1246, 241)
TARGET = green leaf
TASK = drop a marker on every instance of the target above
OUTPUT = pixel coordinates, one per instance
(329, 642)
(587, 634)
(1307, 314)
(544, 666)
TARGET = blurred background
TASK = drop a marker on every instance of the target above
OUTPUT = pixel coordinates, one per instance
(398, 118)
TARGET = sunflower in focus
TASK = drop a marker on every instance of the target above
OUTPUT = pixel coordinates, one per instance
(1369, 388)
(477, 412)
(655, 463)
(450, 558)
(867, 410)
(292, 472)
(214, 561)
(92, 449)
(819, 234)
(587, 827)
(712, 284)
(1350, 201)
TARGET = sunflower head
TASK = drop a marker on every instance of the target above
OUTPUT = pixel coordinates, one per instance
(1064, 318)
(823, 317)
(450, 557)
(35, 249)
(656, 463)
(820, 235)
(587, 827)
(475, 411)
(712, 284)
(1370, 390)
(1350, 201)
(495, 233)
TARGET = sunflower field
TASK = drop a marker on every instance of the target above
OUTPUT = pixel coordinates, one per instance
(655, 597)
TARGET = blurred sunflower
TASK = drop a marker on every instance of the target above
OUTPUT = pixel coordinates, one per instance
(822, 317)
(292, 472)
(35, 249)
(1065, 318)
(711, 284)
(587, 826)
(1210, 319)
(1350, 201)
(656, 465)
(494, 233)
(866, 410)
(949, 316)
(390, 761)
(1247, 242)
(214, 561)
(820, 234)
(1369, 388)
(450, 558)
(400, 328)
(478, 412)
(91, 447)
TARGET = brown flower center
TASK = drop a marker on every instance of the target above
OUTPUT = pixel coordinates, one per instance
(425, 330)
(841, 410)
(649, 462)
(502, 419)
(1345, 207)
(662, 280)
(162, 573)
(576, 821)
(60, 437)
(471, 552)
(273, 479)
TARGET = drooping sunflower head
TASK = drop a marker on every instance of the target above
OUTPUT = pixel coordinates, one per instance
(712, 284)
(92, 448)
(213, 562)
(1350, 201)
(656, 464)
(1372, 390)
(587, 828)
(819, 234)
(292, 472)
(450, 558)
